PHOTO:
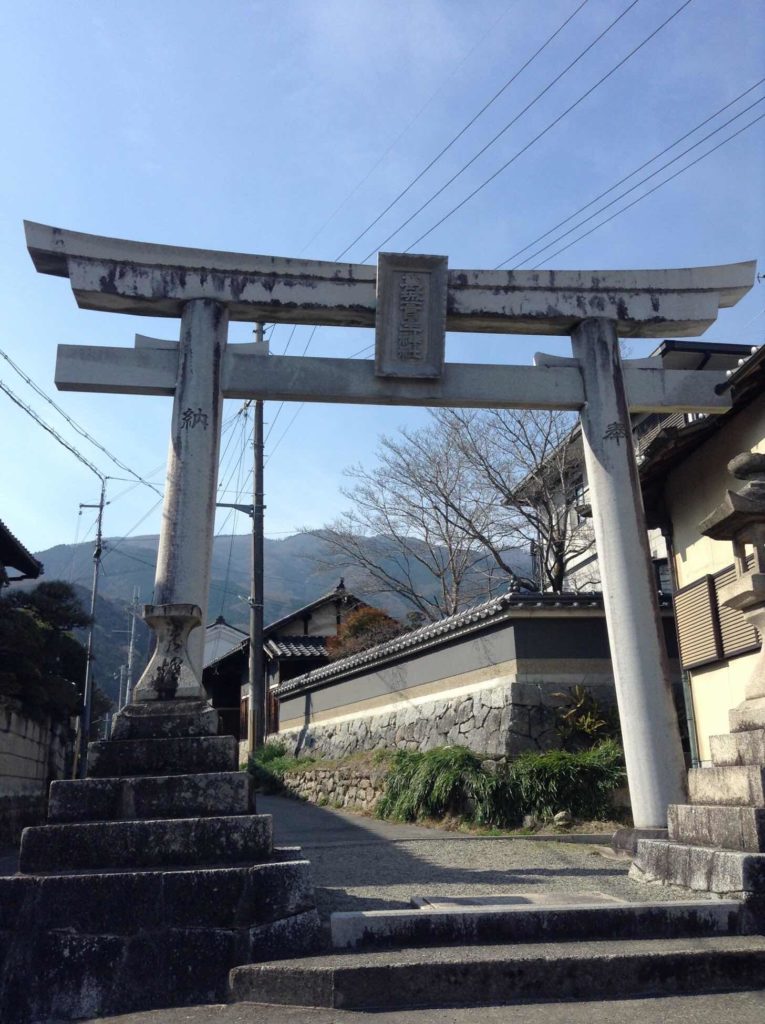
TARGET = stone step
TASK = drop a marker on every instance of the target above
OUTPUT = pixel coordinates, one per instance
(459, 976)
(123, 902)
(739, 785)
(175, 756)
(175, 842)
(92, 945)
(390, 929)
(163, 719)
(146, 796)
(733, 873)
(739, 748)
(732, 828)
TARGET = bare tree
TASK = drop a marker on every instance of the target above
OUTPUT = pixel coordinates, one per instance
(406, 525)
(531, 461)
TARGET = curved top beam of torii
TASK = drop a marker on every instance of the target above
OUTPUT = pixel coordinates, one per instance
(121, 276)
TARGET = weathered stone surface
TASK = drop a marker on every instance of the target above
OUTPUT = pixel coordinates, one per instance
(165, 719)
(705, 869)
(737, 785)
(137, 844)
(164, 796)
(174, 756)
(739, 748)
(496, 974)
(391, 929)
(732, 828)
(750, 714)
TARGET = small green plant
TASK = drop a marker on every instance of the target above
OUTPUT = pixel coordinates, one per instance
(269, 764)
(582, 721)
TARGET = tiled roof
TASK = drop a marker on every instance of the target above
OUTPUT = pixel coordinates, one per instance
(297, 646)
(14, 554)
(338, 594)
(471, 620)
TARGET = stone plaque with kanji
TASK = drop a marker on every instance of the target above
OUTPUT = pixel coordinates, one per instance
(410, 325)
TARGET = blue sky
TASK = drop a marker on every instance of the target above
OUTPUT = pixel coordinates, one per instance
(286, 128)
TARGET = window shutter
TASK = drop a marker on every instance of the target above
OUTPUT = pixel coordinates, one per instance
(697, 626)
(736, 634)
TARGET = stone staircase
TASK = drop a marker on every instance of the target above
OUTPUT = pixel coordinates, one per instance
(493, 955)
(717, 842)
(153, 877)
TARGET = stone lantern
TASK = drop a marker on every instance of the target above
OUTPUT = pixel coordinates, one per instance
(740, 519)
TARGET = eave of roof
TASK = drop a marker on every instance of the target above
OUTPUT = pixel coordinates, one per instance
(14, 554)
(338, 594)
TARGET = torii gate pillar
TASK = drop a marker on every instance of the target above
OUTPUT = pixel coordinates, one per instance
(650, 736)
(182, 580)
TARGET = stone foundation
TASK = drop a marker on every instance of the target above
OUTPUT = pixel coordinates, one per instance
(348, 786)
(506, 719)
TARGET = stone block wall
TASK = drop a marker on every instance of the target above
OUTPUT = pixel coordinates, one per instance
(505, 719)
(355, 788)
(33, 750)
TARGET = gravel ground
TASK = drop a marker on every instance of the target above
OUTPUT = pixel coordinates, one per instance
(363, 864)
(382, 876)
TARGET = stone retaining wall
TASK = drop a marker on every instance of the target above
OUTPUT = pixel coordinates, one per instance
(33, 750)
(505, 719)
(357, 788)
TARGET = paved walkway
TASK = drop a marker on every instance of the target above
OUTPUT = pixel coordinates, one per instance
(362, 863)
(733, 1008)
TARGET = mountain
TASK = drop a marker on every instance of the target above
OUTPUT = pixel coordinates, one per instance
(297, 570)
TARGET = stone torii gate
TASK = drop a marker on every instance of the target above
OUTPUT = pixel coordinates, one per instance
(411, 301)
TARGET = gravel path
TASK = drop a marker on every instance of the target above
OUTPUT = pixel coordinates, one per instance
(364, 864)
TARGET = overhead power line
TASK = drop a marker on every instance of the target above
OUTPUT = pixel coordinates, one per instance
(539, 135)
(469, 124)
(47, 427)
(652, 190)
(637, 170)
(74, 425)
(409, 124)
(509, 125)
(642, 181)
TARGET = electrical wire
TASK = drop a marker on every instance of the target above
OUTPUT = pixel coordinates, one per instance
(642, 181)
(46, 426)
(73, 423)
(631, 174)
(415, 118)
(471, 122)
(506, 128)
(539, 135)
(652, 190)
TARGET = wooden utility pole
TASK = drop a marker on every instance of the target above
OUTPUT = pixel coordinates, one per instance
(87, 696)
(258, 704)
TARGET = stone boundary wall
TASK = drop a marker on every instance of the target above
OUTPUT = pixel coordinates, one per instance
(503, 720)
(348, 786)
(33, 750)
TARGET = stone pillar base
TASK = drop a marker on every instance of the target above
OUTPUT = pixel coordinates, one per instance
(624, 841)
(170, 674)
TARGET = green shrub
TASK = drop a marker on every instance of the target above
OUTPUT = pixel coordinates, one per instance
(451, 781)
(580, 782)
(440, 782)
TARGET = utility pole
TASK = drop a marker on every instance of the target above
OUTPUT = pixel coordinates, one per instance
(87, 697)
(257, 710)
(131, 646)
(258, 705)
(121, 696)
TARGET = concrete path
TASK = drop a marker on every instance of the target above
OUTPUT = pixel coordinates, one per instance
(733, 1008)
(360, 863)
